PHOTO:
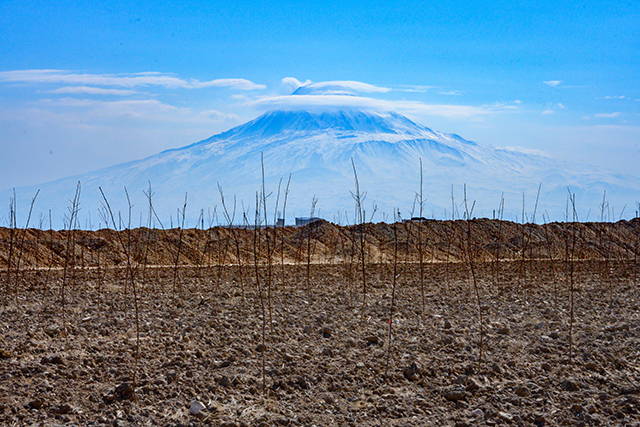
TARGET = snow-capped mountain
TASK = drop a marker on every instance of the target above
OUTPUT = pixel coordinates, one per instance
(317, 148)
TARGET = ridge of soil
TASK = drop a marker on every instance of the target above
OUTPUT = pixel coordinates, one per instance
(442, 241)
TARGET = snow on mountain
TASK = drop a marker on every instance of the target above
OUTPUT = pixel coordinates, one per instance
(317, 149)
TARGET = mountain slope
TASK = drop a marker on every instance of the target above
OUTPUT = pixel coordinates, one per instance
(317, 148)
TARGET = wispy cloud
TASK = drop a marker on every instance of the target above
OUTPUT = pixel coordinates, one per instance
(553, 83)
(502, 106)
(290, 84)
(524, 150)
(120, 80)
(74, 111)
(615, 97)
(340, 87)
(414, 88)
(93, 91)
(240, 84)
(451, 92)
(607, 115)
(552, 108)
(359, 102)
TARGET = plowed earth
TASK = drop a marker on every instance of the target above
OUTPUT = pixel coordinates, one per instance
(319, 351)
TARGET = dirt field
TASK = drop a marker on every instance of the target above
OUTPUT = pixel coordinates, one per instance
(68, 340)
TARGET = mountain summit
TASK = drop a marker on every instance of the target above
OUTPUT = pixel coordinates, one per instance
(274, 122)
(317, 149)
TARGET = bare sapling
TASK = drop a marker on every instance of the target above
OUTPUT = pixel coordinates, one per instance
(298, 257)
(264, 197)
(19, 278)
(176, 265)
(308, 230)
(359, 199)
(450, 236)
(177, 256)
(603, 263)
(12, 233)
(470, 252)
(131, 276)
(599, 233)
(571, 247)
(620, 252)
(382, 249)
(433, 228)
(407, 261)
(523, 251)
(127, 228)
(348, 250)
(223, 242)
(550, 257)
(47, 277)
(275, 229)
(202, 255)
(350, 265)
(420, 248)
(147, 243)
(74, 208)
(636, 247)
(393, 290)
(284, 216)
(234, 233)
(530, 228)
(256, 265)
(207, 252)
(498, 244)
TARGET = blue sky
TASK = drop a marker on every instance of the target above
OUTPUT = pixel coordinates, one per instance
(84, 85)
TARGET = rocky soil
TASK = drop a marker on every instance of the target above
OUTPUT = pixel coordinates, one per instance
(209, 347)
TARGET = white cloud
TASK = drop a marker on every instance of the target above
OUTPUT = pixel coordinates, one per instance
(120, 80)
(214, 116)
(353, 85)
(451, 92)
(525, 150)
(501, 106)
(552, 108)
(94, 113)
(357, 102)
(553, 83)
(338, 87)
(93, 90)
(240, 84)
(414, 88)
(615, 97)
(127, 108)
(607, 115)
(517, 101)
(290, 84)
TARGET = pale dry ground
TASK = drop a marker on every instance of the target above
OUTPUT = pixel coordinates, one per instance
(202, 341)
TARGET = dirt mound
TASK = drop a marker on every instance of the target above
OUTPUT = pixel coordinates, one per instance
(321, 242)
